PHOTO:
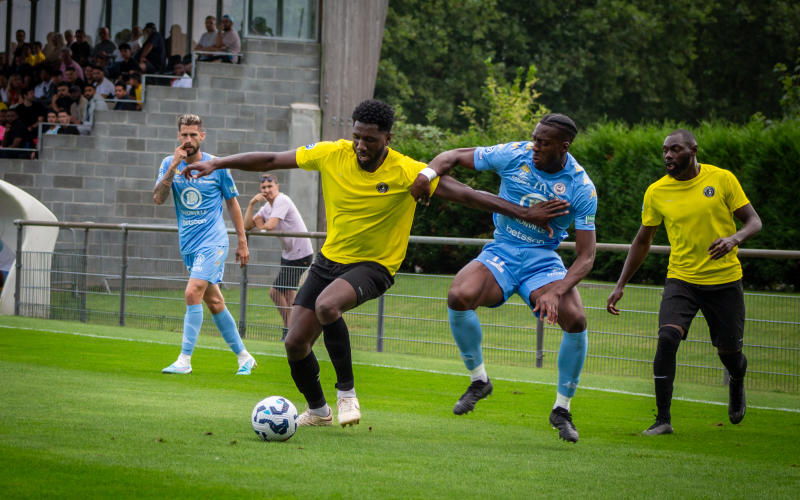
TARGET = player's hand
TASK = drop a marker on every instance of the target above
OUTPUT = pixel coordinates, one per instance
(611, 303)
(179, 155)
(546, 300)
(421, 190)
(722, 246)
(242, 254)
(198, 169)
(542, 213)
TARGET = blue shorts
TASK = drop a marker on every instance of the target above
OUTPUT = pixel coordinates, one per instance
(206, 263)
(521, 270)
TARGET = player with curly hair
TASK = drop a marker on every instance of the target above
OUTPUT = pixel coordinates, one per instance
(369, 213)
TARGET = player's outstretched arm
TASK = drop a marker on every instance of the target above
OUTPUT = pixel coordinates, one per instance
(751, 225)
(439, 166)
(252, 162)
(539, 214)
(547, 298)
(235, 212)
(636, 255)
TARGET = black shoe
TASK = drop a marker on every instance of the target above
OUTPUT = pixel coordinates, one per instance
(476, 391)
(736, 400)
(561, 419)
(658, 428)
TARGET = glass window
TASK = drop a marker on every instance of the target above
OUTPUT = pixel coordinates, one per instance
(95, 17)
(20, 20)
(235, 9)
(176, 27)
(45, 19)
(296, 19)
(202, 9)
(3, 8)
(150, 12)
(70, 15)
(121, 15)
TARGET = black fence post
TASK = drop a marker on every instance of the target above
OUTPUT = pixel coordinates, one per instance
(243, 300)
(539, 342)
(379, 333)
(84, 270)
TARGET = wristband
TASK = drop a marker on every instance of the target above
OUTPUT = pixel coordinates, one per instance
(429, 173)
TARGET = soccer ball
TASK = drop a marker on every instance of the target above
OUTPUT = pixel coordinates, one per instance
(274, 419)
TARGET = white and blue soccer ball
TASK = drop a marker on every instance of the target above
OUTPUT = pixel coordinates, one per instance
(274, 419)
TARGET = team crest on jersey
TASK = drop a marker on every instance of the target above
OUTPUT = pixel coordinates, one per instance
(382, 187)
(191, 197)
(708, 191)
(525, 168)
(311, 146)
(559, 188)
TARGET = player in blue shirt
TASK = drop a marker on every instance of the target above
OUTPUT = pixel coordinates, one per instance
(203, 240)
(522, 257)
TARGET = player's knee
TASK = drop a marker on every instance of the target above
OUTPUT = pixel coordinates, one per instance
(327, 311)
(459, 300)
(574, 323)
(274, 294)
(669, 338)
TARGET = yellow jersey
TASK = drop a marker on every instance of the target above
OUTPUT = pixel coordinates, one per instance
(695, 213)
(369, 214)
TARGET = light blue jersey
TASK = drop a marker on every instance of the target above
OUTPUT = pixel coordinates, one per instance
(522, 183)
(198, 206)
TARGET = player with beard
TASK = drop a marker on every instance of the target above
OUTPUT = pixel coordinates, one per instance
(369, 212)
(522, 259)
(203, 241)
(697, 203)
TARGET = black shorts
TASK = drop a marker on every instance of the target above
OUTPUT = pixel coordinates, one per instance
(368, 279)
(290, 272)
(722, 307)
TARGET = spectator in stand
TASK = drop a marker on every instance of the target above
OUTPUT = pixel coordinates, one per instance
(104, 44)
(72, 77)
(136, 42)
(46, 88)
(135, 85)
(14, 90)
(65, 124)
(93, 103)
(52, 49)
(51, 120)
(69, 38)
(183, 80)
(153, 56)
(3, 121)
(208, 40)
(20, 67)
(126, 64)
(36, 57)
(81, 50)
(61, 99)
(67, 61)
(228, 41)
(16, 134)
(102, 85)
(78, 105)
(30, 110)
(121, 95)
(18, 43)
(4, 90)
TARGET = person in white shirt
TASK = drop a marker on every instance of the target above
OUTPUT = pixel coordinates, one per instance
(279, 213)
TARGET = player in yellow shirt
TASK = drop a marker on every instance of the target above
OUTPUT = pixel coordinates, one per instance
(697, 203)
(369, 211)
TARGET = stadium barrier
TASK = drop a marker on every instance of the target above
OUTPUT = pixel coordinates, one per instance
(411, 318)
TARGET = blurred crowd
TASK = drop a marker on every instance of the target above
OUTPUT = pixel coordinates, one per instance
(62, 83)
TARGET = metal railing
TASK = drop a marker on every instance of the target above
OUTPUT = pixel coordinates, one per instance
(411, 318)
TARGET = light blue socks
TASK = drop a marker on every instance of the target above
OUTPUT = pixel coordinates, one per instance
(227, 327)
(571, 356)
(192, 322)
(467, 333)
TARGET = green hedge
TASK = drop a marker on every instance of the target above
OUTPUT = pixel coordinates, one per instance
(622, 161)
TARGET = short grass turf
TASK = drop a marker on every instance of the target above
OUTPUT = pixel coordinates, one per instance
(85, 412)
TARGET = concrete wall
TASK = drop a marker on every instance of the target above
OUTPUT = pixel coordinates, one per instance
(109, 176)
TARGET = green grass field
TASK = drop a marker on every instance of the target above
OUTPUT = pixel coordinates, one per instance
(86, 413)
